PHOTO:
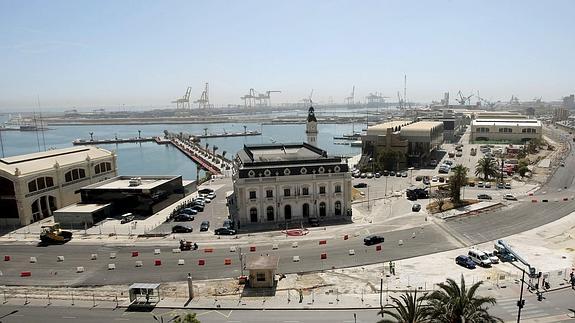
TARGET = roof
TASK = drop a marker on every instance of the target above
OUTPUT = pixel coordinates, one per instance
(500, 122)
(311, 115)
(280, 152)
(35, 162)
(144, 285)
(262, 262)
(123, 183)
(82, 208)
(382, 127)
(421, 128)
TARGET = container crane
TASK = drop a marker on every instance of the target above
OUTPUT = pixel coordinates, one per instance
(463, 100)
(204, 100)
(307, 101)
(249, 99)
(185, 100)
(350, 100)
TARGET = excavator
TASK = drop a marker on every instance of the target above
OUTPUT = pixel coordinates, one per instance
(53, 234)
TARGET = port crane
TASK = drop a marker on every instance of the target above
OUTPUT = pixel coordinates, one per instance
(184, 101)
(503, 248)
(463, 100)
(204, 100)
(307, 101)
(350, 100)
(249, 99)
(265, 99)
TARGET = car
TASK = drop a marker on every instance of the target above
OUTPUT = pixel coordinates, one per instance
(207, 200)
(562, 164)
(487, 185)
(205, 226)
(189, 211)
(458, 154)
(509, 197)
(211, 196)
(360, 185)
(182, 229)
(484, 197)
(465, 261)
(508, 186)
(377, 175)
(433, 163)
(479, 184)
(356, 174)
(228, 224)
(392, 173)
(435, 179)
(206, 190)
(426, 181)
(500, 185)
(493, 258)
(385, 173)
(201, 202)
(198, 207)
(126, 218)
(504, 256)
(224, 231)
(418, 178)
(448, 162)
(479, 258)
(471, 184)
(398, 174)
(404, 174)
(369, 175)
(441, 179)
(373, 239)
(416, 207)
(363, 175)
(183, 217)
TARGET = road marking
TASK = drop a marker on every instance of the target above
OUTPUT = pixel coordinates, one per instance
(121, 319)
(291, 321)
(69, 317)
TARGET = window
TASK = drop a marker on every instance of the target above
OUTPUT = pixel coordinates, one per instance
(287, 192)
(253, 215)
(305, 191)
(338, 208)
(482, 129)
(506, 130)
(75, 174)
(322, 190)
(322, 209)
(261, 277)
(305, 210)
(337, 188)
(287, 212)
(40, 183)
(269, 193)
(270, 213)
(252, 195)
(102, 168)
(528, 130)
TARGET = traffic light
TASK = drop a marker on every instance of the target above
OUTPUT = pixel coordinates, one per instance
(521, 303)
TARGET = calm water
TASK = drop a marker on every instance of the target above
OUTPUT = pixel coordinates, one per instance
(153, 159)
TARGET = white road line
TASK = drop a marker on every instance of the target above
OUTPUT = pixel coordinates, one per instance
(69, 317)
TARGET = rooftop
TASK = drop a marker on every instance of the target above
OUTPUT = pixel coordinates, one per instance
(82, 208)
(502, 122)
(280, 152)
(382, 127)
(123, 183)
(262, 262)
(420, 128)
(35, 162)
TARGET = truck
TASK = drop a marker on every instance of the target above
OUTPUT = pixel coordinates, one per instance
(53, 234)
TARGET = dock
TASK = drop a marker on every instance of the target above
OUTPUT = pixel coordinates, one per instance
(78, 142)
(230, 134)
(197, 154)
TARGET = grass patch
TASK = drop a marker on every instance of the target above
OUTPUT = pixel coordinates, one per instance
(448, 205)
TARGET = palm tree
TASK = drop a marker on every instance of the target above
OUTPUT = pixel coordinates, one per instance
(408, 309)
(454, 303)
(188, 318)
(487, 167)
(456, 182)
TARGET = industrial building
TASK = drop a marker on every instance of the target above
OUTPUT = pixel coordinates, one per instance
(33, 186)
(423, 138)
(504, 128)
(142, 196)
(277, 185)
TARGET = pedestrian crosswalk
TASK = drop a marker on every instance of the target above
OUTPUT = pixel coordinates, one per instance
(529, 311)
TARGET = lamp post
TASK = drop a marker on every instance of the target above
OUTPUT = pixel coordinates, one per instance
(410, 175)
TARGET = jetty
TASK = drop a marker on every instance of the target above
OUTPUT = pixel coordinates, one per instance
(113, 141)
(229, 134)
(199, 155)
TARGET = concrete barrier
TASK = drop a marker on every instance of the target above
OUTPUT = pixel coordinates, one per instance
(233, 249)
(400, 242)
(139, 263)
(60, 258)
(111, 266)
(176, 250)
(181, 262)
(275, 246)
(157, 251)
(294, 245)
(295, 258)
(112, 255)
(79, 269)
(94, 256)
(33, 260)
(351, 252)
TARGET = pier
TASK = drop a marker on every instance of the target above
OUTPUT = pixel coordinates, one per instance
(113, 141)
(199, 155)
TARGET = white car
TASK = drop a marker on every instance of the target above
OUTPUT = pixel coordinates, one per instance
(509, 197)
(434, 179)
(493, 258)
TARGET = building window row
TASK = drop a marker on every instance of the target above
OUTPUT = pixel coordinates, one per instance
(529, 130)
(287, 192)
(40, 183)
(103, 167)
(75, 174)
(506, 130)
(271, 211)
(482, 129)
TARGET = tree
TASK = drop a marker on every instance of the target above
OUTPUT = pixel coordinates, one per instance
(487, 167)
(188, 318)
(439, 199)
(456, 182)
(454, 303)
(409, 309)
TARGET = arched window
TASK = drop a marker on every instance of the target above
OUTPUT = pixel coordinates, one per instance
(270, 213)
(75, 174)
(322, 209)
(338, 208)
(103, 167)
(305, 210)
(40, 183)
(287, 212)
(253, 215)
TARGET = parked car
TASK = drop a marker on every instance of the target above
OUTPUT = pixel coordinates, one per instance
(458, 154)
(418, 178)
(487, 185)
(404, 174)
(385, 173)
(493, 258)
(377, 175)
(479, 184)
(183, 217)
(433, 163)
(369, 175)
(504, 256)
(484, 197)
(211, 196)
(500, 185)
(205, 191)
(207, 200)
(441, 179)
(198, 207)
(398, 174)
(465, 261)
(479, 258)
(448, 162)
(360, 185)
(435, 179)
(225, 231)
(471, 184)
(205, 226)
(189, 211)
(509, 197)
(126, 218)
(508, 186)
(416, 207)
(392, 173)
(426, 181)
(181, 229)
(373, 239)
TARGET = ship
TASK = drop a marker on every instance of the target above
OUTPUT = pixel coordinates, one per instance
(52, 234)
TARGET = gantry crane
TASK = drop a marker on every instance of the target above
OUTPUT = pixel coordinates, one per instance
(350, 100)
(249, 99)
(463, 100)
(204, 100)
(184, 101)
(308, 101)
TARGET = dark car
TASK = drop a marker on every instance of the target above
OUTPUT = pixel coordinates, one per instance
(181, 229)
(484, 197)
(504, 256)
(392, 173)
(385, 173)
(205, 226)
(360, 185)
(418, 178)
(205, 191)
(228, 224)
(416, 207)
(182, 217)
(373, 239)
(197, 207)
(314, 222)
(225, 231)
(465, 261)
(426, 181)
(189, 211)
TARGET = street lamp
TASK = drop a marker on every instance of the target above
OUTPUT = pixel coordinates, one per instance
(410, 175)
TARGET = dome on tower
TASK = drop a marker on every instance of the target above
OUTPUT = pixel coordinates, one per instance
(311, 115)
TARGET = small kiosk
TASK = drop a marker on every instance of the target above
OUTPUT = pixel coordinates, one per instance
(144, 294)
(262, 271)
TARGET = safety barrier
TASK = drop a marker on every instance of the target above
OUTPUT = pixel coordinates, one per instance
(227, 261)
(201, 262)
(112, 255)
(157, 262)
(252, 248)
(7, 258)
(111, 266)
(275, 246)
(351, 252)
(323, 255)
(139, 263)
(60, 258)
(295, 258)
(322, 242)
(33, 260)
(233, 249)
(25, 274)
(294, 245)
(94, 256)
(79, 269)
(208, 250)
(135, 254)
(157, 251)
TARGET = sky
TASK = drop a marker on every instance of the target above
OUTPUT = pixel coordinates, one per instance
(89, 54)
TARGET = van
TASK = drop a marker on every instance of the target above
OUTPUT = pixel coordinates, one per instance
(128, 217)
(479, 257)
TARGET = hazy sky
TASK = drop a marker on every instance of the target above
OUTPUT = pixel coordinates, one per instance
(145, 53)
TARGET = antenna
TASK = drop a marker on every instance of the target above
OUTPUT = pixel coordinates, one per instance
(405, 88)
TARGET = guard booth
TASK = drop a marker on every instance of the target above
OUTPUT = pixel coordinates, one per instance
(262, 271)
(144, 295)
